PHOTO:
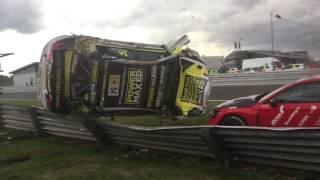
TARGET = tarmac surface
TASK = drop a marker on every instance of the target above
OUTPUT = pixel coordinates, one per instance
(217, 93)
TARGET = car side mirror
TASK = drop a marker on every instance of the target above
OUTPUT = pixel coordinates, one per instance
(274, 102)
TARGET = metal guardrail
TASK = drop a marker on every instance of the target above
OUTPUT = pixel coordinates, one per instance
(181, 139)
(280, 147)
(261, 78)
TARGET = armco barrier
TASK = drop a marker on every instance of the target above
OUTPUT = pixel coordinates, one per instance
(261, 78)
(281, 147)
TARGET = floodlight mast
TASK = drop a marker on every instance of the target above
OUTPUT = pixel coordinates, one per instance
(4, 55)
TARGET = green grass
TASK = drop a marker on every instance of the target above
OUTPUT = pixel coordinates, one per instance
(60, 158)
(25, 102)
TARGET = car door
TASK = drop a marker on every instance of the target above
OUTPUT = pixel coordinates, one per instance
(308, 96)
(297, 106)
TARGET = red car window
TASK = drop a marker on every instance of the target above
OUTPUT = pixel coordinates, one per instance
(299, 94)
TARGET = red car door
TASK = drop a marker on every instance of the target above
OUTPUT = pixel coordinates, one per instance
(275, 115)
(298, 106)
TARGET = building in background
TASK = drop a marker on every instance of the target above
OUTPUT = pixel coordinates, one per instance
(26, 75)
(234, 59)
(214, 63)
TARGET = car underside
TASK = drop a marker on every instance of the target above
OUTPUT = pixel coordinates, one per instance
(114, 77)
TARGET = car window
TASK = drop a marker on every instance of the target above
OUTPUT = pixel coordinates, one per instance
(302, 93)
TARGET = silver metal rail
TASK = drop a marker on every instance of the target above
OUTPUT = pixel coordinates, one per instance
(262, 78)
(294, 148)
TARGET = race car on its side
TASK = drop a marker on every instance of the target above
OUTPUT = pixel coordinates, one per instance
(116, 77)
(294, 105)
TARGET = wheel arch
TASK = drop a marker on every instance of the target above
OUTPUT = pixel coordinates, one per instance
(236, 115)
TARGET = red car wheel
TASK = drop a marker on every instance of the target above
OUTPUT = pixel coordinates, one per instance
(232, 121)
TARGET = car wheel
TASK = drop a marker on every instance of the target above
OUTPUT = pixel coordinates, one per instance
(232, 121)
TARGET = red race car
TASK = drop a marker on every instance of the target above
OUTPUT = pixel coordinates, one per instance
(294, 105)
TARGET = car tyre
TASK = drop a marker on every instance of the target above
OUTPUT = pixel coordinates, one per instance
(232, 121)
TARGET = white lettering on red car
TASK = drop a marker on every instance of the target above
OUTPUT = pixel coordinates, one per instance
(306, 117)
(278, 117)
(292, 115)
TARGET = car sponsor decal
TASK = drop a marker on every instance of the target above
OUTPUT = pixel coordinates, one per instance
(134, 86)
(193, 90)
(292, 115)
(162, 84)
(123, 52)
(307, 116)
(93, 86)
(278, 117)
(123, 83)
(114, 85)
(58, 70)
(67, 72)
(105, 74)
(152, 88)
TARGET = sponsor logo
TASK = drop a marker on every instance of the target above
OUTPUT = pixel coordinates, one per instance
(58, 83)
(278, 117)
(105, 75)
(135, 85)
(295, 112)
(313, 108)
(193, 90)
(123, 52)
(124, 73)
(93, 86)
(163, 72)
(114, 85)
(152, 85)
(306, 117)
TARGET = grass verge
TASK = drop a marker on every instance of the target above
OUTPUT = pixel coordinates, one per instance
(25, 102)
(60, 158)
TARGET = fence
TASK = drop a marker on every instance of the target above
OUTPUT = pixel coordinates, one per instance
(262, 78)
(282, 147)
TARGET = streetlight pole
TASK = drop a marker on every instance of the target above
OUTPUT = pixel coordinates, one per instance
(4, 55)
(272, 41)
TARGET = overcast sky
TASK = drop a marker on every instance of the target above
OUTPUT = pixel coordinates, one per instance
(212, 25)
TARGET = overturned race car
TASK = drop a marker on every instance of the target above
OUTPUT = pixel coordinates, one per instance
(89, 74)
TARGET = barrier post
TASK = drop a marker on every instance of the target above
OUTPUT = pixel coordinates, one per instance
(93, 127)
(36, 123)
(217, 147)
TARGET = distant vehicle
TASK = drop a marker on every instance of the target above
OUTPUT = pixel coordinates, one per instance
(116, 77)
(214, 71)
(294, 105)
(249, 70)
(294, 67)
(233, 70)
(266, 64)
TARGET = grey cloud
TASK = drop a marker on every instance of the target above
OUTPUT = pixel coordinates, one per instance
(23, 16)
(229, 20)
(245, 4)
